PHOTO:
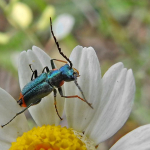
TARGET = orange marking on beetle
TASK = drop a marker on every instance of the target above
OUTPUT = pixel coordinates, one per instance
(23, 102)
(61, 83)
(54, 69)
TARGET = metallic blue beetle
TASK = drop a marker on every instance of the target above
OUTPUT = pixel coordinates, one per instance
(42, 85)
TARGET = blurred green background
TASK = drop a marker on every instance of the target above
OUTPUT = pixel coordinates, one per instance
(117, 30)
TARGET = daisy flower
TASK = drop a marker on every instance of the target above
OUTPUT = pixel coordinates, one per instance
(111, 96)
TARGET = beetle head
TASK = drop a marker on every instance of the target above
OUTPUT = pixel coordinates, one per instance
(69, 74)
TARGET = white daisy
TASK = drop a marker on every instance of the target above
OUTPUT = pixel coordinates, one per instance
(111, 97)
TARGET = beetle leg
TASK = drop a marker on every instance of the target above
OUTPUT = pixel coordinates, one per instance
(73, 96)
(45, 68)
(19, 113)
(55, 92)
(34, 74)
(52, 62)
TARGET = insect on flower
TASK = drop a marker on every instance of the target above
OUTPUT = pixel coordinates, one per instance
(42, 85)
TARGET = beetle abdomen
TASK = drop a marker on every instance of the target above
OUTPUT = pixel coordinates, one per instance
(34, 90)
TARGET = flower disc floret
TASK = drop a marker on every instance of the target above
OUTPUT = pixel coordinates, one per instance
(49, 138)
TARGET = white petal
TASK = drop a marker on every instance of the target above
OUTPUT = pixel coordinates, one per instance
(44, 112)
(42, 56)
(108, 81)
(138, 139)
(116, 110)
(24, 72)
(8, 109)
(78, 112)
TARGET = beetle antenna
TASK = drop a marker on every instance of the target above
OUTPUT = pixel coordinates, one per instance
(57, 44)
(76, 83)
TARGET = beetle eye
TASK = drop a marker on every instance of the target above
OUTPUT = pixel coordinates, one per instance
(76, 72)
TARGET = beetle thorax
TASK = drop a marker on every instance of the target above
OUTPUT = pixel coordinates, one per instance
(67, 73)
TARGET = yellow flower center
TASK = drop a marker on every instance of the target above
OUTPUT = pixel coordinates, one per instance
(52, 138)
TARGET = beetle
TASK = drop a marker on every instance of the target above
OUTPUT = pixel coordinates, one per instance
(42, 85)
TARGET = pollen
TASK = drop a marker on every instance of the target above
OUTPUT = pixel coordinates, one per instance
(50, 138)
